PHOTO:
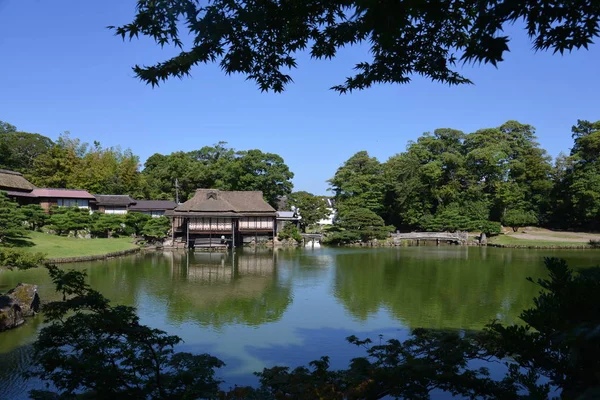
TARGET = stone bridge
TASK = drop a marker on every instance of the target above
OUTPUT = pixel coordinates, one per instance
(456, 237)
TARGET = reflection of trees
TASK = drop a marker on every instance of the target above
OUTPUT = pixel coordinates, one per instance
(437, 288)
(220, 289)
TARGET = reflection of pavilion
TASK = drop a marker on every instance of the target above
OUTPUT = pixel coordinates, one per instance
(226, 288)
(223, 267)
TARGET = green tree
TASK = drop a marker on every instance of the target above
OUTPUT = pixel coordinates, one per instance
(108, 225)
(12, 220)
(311, 208)
(76, 165)
(58, 166)
(66, 219)
(23, 149)
(516, 218)
(157, 228)
(576, 192)
(161, 172)
(255, 170)
(5, 127)
(359, 183)
(35, 216)
(89, 346)
(289, 231)
(359, 224)
(135, 222)
(261, 41)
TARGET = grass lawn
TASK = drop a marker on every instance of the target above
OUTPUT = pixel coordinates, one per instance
(509, 240)
(62, 247)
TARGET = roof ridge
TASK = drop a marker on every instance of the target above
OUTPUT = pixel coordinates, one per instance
(8, 171)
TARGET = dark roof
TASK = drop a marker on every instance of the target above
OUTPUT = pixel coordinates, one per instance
(220, 201)
(150, 205)
(63, 193)
(19, 194)
(114, 200)
(12, 180)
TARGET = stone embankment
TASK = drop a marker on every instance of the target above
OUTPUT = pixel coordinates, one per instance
(21, 302)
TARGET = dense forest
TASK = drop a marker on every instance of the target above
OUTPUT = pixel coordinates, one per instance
(449, 180)
(445, 180)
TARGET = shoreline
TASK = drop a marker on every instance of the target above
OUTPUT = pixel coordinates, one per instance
(65, 260)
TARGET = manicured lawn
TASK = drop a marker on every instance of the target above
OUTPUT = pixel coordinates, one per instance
(509, 240)
(62, 247)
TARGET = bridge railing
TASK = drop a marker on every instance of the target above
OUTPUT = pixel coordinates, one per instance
(459, 236)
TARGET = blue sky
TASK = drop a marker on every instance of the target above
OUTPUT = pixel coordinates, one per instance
(61, 69)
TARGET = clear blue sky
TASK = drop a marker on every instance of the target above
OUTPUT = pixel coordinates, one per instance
(61, 69)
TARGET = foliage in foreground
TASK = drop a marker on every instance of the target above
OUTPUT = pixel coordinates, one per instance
(261, 39)
(92, 347)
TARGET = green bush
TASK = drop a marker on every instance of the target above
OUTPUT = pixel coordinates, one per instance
(35, 216)
(289, 231)
(156, 228)
(108, 225)
(15, 258)
(518, 218)
(358, 224)
(135, 222)
(66, 219)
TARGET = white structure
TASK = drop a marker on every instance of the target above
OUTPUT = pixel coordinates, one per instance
(331, 216)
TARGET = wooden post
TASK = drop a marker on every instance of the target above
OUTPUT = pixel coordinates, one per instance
(232, 234)
(173, 231)
(187, 232)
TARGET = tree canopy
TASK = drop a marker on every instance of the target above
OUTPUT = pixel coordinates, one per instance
(449, 180)
(217, 167)
(18, 150)
(261, 40)
(311, 208)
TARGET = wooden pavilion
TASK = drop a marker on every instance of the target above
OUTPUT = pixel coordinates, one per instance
(218, 218)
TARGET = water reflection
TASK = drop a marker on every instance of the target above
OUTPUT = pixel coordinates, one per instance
(219, 289)
(436, 287)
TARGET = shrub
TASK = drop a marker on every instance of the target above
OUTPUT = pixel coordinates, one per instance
(35, 216)
(360, 224)
(518, 218)
(66, 219)
(108, 225)
(156, 228)
(135, 222)
(289, 231)
(14, 258)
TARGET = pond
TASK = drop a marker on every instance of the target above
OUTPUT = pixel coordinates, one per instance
(263, 307)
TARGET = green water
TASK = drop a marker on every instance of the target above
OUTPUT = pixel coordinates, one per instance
(260, 308)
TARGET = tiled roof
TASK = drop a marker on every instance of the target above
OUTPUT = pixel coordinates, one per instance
(63, 193)
(114, 200)
(149, 205)
(221, 201)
